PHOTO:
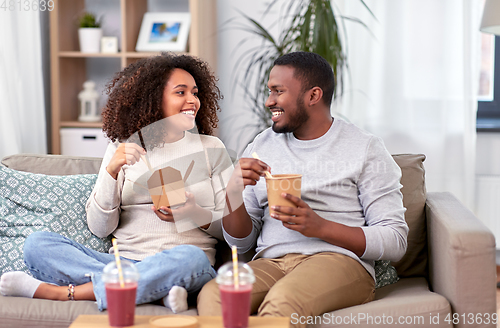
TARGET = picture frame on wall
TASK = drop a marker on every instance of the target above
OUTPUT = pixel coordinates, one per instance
(164, 32)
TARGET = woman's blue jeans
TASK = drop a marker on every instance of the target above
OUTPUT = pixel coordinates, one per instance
(58, 260)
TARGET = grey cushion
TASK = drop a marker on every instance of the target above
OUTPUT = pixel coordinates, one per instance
(414, 262)
(52, 164)
(385, 274)
(37, 202)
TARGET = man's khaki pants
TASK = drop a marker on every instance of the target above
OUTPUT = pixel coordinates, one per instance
(297, 285)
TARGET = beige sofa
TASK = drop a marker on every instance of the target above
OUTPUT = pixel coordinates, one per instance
(447, 277)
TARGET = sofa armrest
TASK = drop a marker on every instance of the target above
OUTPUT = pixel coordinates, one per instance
(461, 258)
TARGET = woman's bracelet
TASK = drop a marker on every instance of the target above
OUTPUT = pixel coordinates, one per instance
(71, 292)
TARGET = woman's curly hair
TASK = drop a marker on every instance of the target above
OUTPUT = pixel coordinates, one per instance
(136, 94)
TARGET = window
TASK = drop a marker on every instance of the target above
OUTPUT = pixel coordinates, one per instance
(488, 110)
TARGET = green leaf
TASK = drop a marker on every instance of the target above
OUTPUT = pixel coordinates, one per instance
(88, 19)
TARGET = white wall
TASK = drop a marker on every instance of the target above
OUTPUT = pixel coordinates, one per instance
(488, 154)
(235, 113)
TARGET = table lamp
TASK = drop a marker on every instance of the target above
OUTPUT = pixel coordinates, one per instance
(491, 17)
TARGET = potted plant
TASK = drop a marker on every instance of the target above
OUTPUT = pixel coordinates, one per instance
(309, 25)
(89, 33)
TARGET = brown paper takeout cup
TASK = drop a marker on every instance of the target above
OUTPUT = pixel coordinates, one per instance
(280, 183)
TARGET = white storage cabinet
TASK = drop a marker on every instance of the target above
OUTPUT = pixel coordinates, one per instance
(89, 142)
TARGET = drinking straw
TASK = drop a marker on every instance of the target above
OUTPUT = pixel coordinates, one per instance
(235, 267)
(268, 175)
(118, 263)
(188, 171)
(144, 158)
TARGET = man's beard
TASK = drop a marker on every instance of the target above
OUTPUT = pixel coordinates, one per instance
(295, 120)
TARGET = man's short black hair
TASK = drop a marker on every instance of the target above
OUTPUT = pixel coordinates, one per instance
(312, 70)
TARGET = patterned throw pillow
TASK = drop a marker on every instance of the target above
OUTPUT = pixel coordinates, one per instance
(385, 273)
(36, 202)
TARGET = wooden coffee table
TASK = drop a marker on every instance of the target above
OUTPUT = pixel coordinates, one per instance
(101, 321)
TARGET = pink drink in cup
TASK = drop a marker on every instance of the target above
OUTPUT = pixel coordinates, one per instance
(235, 299)
(121, 299)
(121, 304)
(236, 314)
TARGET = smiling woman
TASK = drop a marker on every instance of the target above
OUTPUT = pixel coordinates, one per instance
(151, 106)
(180, 103)
(137, 95)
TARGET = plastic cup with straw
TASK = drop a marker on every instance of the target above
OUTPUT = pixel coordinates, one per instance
(121, 292)
(235, 280)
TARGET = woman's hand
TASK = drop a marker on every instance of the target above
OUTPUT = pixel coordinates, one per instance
(190, 209)
(126, 153)
(165, 213)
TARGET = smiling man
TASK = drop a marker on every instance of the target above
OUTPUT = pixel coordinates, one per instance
(317, 256)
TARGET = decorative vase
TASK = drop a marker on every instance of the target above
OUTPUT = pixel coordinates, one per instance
(90, 39)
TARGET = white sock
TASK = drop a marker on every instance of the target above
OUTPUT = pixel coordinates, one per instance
(18, 283)
(176, 299)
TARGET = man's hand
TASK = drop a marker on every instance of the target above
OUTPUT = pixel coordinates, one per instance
(236, 220)
(304, 220)
(301, 219)
(247, 172)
